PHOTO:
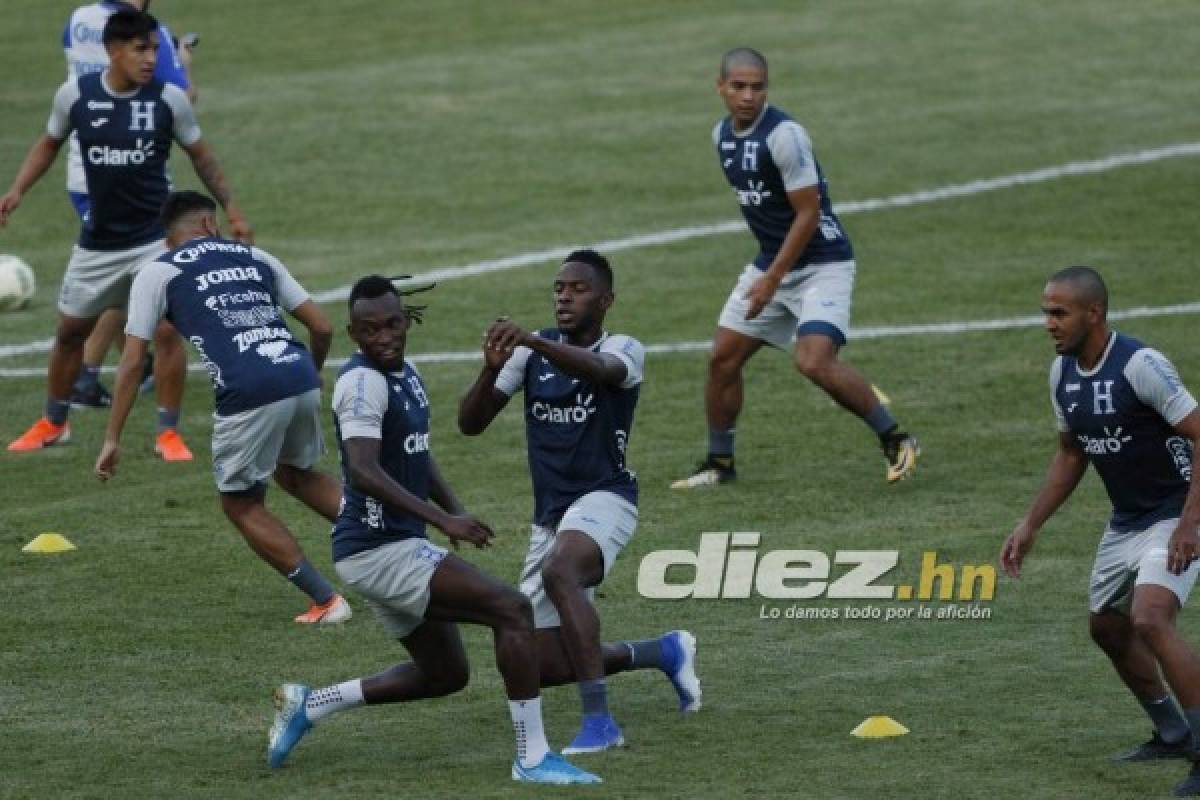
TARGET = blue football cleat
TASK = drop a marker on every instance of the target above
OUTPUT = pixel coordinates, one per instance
(679, 647)
(552, 769)
(599, 732)
(291, 722)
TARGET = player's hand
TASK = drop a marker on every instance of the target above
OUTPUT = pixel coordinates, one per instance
(466, 528)
(106, 462)
(759, 294)
(241, 230)
(8, 204)
(504, 336)
(1182, 549)
(1016, 547)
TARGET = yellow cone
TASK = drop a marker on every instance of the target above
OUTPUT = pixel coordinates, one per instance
(48, 543)
(878, 727)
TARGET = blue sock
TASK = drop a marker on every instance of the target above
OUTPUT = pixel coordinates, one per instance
(720, 443)
(880, 420)
(594, 695)
(646, 654)
(1168, 721)
(312, 583)
(168, 419)
(57, 410)
(89, 376)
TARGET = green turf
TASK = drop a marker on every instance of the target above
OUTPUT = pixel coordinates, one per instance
(407, 136)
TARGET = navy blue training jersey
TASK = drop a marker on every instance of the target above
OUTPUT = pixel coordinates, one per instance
(762, 164)
(224, 297)
(124, 142)
(1121, 413)
(392, 407)
(576, 432)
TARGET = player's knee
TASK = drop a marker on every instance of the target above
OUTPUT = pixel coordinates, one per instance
(70, 335)
(812, 364)
(450, 678)
(515, 611)
(166, 339)
(559, 577)
(1152, 625)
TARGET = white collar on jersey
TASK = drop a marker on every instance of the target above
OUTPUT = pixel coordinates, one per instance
(742, 134)
(114, 93)
(1112, 338)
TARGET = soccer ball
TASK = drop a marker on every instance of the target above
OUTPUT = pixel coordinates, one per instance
(16, 283)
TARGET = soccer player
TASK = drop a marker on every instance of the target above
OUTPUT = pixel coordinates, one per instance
(126, 121)
(224, 296)
(581, 387)
(1121, 407)
(392, 491)
(796, 292)
(83, 47)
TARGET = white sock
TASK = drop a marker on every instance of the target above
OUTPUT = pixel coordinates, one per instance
(339, 697)
(531, 737)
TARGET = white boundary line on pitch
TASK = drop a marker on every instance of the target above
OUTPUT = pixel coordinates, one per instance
(873, 332)
(443, 274)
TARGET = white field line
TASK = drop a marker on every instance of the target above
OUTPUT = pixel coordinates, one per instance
(443, 274)
(874, 332)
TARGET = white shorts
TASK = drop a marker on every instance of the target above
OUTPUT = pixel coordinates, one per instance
(1127, 560)
(813, 300)
(247, 446)
(606, 518)
(97, 280)
(394, 578)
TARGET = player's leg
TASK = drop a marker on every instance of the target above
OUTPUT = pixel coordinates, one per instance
(246, 448)
(736, 340)
(821, 304)
(65, 356)
(88, 392)
(1111, 590)
(170, 371)
(302, 447)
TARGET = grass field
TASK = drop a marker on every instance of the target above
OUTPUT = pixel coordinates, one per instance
(369, 136)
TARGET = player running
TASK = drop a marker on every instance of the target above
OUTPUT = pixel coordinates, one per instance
(224, 296)
(581, 387)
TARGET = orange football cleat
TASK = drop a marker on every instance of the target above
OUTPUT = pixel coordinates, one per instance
(43, 433)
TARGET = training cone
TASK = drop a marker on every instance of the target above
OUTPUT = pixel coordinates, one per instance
(878, 727)
(48, 543)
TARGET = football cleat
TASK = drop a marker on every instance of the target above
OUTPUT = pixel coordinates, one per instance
(291, 722)
(1156, 749)
(599, 732)
(680, 650)
(901, 452)
(95, 397)
(42, 433)
(334, 611)
(553, 769)
(1189, 786)
(709, 472)
(170, 446)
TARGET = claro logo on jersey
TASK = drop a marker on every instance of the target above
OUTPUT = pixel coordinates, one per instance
(1111, 442)
(416, 443)
(575, 414)
(105, 156)
(754, 194)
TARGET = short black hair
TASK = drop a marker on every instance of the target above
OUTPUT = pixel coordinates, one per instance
(1087, 282)
(742, 57)
(597, 262)
(370, 287)
(180, 204)
(128, 24)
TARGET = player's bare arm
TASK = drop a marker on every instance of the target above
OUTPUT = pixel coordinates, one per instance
(129, 378)
(1066, 470)
(366, 474)
(483, 401)
(208, 170)
(320, 330)
(39, 159)
(1184, 547)
(579, 362)
(806, 203)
